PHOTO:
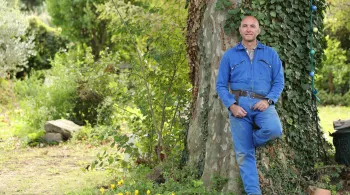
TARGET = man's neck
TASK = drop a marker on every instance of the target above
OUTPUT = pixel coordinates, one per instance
(250, 45)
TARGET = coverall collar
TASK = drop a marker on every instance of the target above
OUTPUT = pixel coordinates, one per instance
(240, 46)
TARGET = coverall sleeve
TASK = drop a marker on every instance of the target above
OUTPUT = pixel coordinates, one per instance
(278, 78)
(223, 81)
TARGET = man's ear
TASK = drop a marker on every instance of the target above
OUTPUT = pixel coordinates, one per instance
(259, 30)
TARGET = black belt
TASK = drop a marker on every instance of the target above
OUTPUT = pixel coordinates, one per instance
(238, 93)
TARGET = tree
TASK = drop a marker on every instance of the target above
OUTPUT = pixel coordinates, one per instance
(30, 5)
(334, 74)
(80, 22)
(336, 21)
(337, 27)
(14, 49)
(47, 42)
(211, 30)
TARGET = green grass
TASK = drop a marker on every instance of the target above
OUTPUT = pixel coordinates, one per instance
(328, 114)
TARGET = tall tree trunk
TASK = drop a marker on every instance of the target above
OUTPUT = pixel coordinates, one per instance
(209, 139)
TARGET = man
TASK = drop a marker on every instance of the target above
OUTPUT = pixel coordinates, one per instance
(254, 73)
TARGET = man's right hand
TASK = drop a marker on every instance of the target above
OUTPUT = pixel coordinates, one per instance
(237, 111)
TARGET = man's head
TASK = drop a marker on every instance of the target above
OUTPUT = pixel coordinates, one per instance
(249, 29)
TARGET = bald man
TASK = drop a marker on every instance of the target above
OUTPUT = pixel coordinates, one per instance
(249, 83)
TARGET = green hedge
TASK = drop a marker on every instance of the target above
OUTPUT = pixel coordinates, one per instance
(334, 99)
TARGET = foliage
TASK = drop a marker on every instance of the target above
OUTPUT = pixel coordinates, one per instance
(30, 5)
(14, 51)
(47, 43)
(97, 85)
(336, 21)
(158, 75)
(286, 27)
(6, 89)
(44, 98)
(176, 181)
(328, 177)
(338, 29)
(334, 99)
(334, 75)
(80, 22)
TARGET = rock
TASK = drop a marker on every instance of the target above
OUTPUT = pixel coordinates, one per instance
(61, 126)
(312, 190)
(53, 137)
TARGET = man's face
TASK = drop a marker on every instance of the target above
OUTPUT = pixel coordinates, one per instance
(249, 29)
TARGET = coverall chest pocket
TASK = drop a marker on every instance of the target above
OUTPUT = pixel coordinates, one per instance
(239, 71)
(264, 70)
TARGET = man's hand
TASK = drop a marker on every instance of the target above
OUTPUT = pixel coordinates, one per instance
(261, 105)
(237, 111)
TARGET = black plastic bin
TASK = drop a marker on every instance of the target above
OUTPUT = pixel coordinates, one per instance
(341, 141)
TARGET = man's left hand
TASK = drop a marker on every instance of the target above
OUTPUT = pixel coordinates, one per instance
(261, 105)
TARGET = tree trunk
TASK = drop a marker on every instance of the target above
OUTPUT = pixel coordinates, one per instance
(330, 82)
(209, 140)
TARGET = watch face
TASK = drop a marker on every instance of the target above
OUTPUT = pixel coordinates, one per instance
(269, 101)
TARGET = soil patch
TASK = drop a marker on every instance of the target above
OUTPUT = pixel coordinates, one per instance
(55, 170)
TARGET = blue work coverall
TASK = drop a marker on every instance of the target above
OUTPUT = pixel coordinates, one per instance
(262, 75)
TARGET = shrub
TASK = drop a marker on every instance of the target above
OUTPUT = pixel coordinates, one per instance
(46, 95)
(47, 42)
(334, 99)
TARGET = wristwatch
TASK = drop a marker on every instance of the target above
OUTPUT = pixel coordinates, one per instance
(269, 101)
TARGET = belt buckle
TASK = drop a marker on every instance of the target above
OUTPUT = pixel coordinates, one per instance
(248, 93)
(252, 95)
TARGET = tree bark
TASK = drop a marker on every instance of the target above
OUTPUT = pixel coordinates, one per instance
(209, 140)
(330, 82)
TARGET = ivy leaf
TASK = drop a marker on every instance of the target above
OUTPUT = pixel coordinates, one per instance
(233, 11)
(273, 13)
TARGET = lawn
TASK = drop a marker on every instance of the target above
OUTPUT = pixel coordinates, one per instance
(328, 114)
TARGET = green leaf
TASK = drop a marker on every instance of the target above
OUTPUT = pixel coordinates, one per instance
(273, 13)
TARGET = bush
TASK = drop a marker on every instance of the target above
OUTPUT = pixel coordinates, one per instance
(76, 88)
(47, 41)
(98, 86)
(334, 99)
(46, 95)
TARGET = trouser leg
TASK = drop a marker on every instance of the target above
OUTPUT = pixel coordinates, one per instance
(270, 126)
(242, 135)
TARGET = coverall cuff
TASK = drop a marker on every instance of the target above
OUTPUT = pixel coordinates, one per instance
(230, 104)
(273, 99)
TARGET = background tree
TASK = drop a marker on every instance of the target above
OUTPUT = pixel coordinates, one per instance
(334, 75)
(14, 51)
(47, 42)
(80, 22)
(30, 5)
(337, 54)
(212, 29)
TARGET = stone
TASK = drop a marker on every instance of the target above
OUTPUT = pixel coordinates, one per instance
(63, 127)
(53, 137)
(313, 190)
